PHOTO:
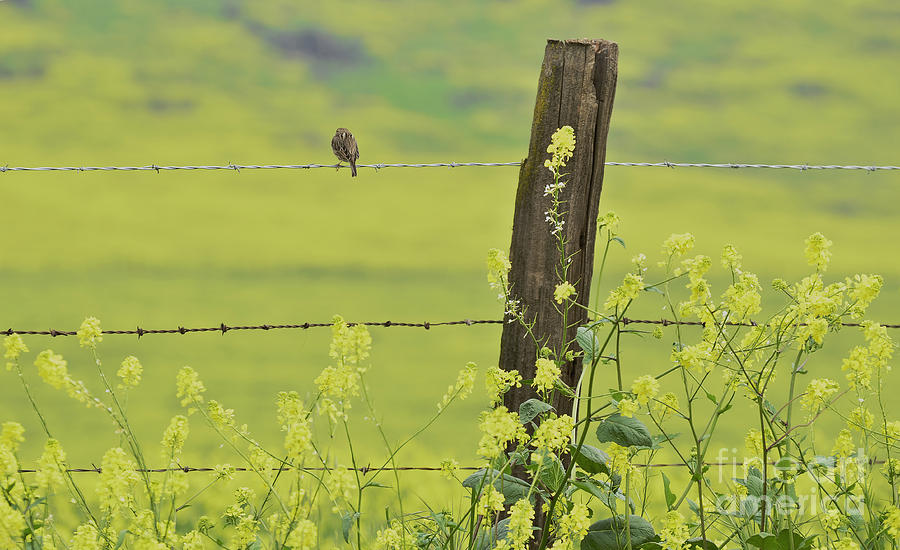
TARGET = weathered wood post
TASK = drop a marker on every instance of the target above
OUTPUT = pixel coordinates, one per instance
(576, 88)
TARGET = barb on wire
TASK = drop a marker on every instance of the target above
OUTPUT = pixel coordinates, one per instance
(238, 167)
(427, 325)
(223, 328)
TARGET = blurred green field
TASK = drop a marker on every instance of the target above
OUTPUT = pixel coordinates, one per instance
(202, 82)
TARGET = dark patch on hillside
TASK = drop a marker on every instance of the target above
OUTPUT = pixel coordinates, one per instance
(21, 65)
(163, 105)
(314, 44)
(808, 89)
(595, 2)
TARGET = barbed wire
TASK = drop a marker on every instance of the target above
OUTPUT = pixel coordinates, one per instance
(427, 325)
(367, 469)
(223, 328)
(238, 167)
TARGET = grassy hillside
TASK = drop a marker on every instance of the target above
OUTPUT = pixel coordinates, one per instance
(128, 82)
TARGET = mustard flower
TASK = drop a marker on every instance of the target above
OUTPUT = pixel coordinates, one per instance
(892, 523)
(817, 393)
(817, 253)
(858, 368)
(51, 465)
(554, 434)
(499, 381)
(394, 538)
(85, 538)
(846, 543)
(731, 258)
(562, 147)
(52, 368)
(175, 435)
(863, 289)
(844, 445)
(298, 439)
(546, 374)
(349, 344)
(304, 536)
(881, 346)
(678, 244)
(89, 333)
(657, 333)
(224, 471)
(610, 221)
(892, 431)
(499, 427)
(189, 387)
(696, 357)
(498, 272)
(244, 532)
(666, 406)
(742, 298)
(619, 459)
(574, 525)
(465, 383)
(130, 372)
(645, 388)
(832, 519)
(192, 540)
(449, 467)
(340, 484)
(640, 262)
(13, 346)
(753, 442)
(117, 479)
(891, 469)
(491, 500)
(563, 292)
(814, 328)
(619, 297)
(860, 419)
(628, 407)
(11, 435)
(12, 524)
(521, 519)
(674, 532)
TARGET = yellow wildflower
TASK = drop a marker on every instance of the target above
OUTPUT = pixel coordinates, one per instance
(817, 393)
(844, 445)
(621, 296)
(349, 344)
(645, 388)
(12, 524)
(130, 372)
(117, 479)
(562, 147)
(610, 221)
(860, 419)
(89, 333)
(666, 406)
(465, 383)
(13, 346)
(499, 381)
(863, 289)
(554, 433)
(304, 536)
(731, 259)
(817, 253)
(892, 523)
(546, 374)
(499, 427)
(394, 538)
(449, 467)
(190, 387)
(859, 371)
(563, 292)
(340, 484)
(521, 519)
(85, 538)
(491, 501)
(674, 532)
(832, 519)
(742, 298)
(628, 407)
(678, 244)
(51, 465)
(175, 435)
(11, 435)
(619, 459)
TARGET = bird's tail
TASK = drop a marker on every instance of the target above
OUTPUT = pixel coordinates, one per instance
(353, 168)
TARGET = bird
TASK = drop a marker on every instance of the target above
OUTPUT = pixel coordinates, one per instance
(343, 144)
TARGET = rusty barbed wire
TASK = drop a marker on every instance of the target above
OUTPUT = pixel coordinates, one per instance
(367, 469)
(427, 325)
(223, 328)
(238, 167)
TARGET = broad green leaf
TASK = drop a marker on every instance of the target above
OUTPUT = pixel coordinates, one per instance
(488, 537)
(624, 431)
(609, 534)
(589, 343)
(530, 409)
(590, 459)
(347, 521)
(513, 488)
(551, 472)
(603, 491)
(670, 496)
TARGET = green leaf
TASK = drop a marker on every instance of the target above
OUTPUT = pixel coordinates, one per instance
(606, 493)
(589, 344)
(754, 482)
(347, 521)
(619, 240)
(552, 474)
(670, 496)
(513, 488)
(609, 534)
(487, 537)
(701, 543)
(590, 459)
(531, 409)
(624, 431)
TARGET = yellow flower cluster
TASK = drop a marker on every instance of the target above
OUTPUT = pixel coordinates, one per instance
(394, 537)
(563, 292)
(521, 519)
(674, 532)
(892, 523)
(117, 479)
(554, 433)
(294, 420)
(862, 291)
(449, 467)
(51, 465)
(562, 147)
(666, 406)
(340, 484)
(13, 347)
(130, 372)
(546, 374)
(175, 435)
(678, 244)
(817, 393)
(622, 295)
(610, 221)
(572, 527)
(697, 357)
(53, 369)
(499, 427)
(189, 387)
(628, 407)
(491, 501)
(619, 459)
(465, 383)
(89, 333)
(349, 344)
(731, 259)
(645, 388)
(844, 445)
(742, 298)
(304, 536)
(499, 381)
(817, 251)
(12, 524)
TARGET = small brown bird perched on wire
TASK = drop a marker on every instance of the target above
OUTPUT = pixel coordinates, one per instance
(345, 149)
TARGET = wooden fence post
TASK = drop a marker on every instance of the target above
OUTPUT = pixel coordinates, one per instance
(576, 88)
